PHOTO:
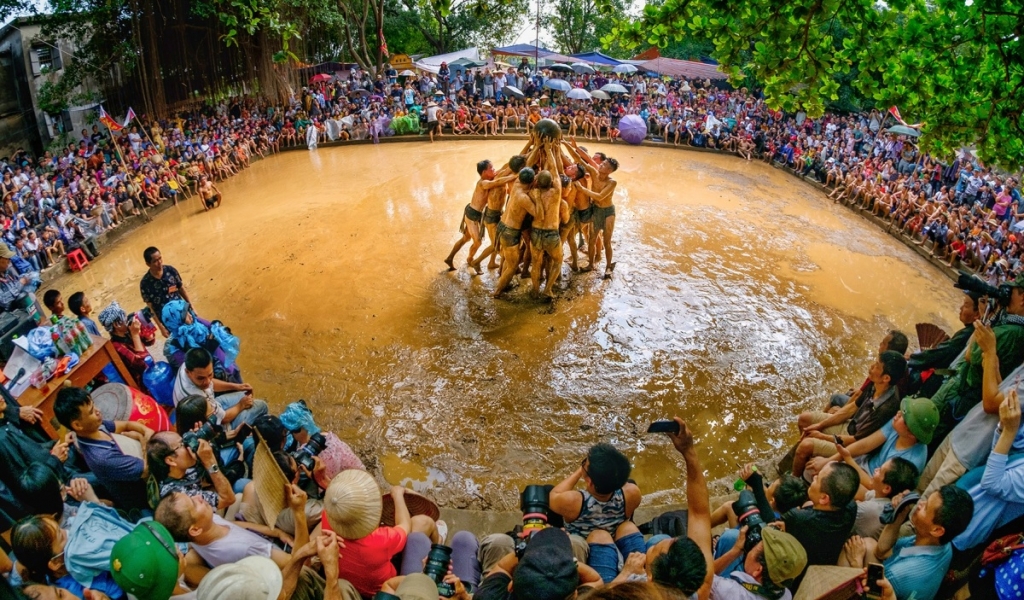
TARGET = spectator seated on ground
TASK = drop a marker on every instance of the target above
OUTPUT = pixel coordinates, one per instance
(176, 467)
(602, 513)
(336, 455)
(906, 436)
(858, 418)
(352, 509)
(195, 412)
(996, 488)
(895, 476)
(547, 571)
(768, 567)
(122, 475)
(236, 405)
(187, 333)
(127, 339)
(915, 565)
(18, 452)
(146, 563)
(80, 306)
(921, 366)
(894, 340)
(823, 525)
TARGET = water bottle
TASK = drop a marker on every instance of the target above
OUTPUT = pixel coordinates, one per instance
(58, 342)
(149, 362)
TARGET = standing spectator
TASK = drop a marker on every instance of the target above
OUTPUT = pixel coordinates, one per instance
(161, 284)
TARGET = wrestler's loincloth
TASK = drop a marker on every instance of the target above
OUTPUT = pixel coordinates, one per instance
(491, 216)
(601, 214)
(472, 214)
(547, 240)
(586, 214)
(509, 237)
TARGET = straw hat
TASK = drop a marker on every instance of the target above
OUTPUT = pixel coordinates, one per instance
(353, 504)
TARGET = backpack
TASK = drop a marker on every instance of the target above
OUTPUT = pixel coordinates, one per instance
(671, 523)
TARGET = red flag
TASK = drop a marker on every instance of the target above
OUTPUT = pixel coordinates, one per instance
(110, 123)
(383, 43)
(128, 119)
(895, 112)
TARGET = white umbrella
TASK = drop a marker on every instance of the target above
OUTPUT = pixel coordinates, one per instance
(560, 68)
(614, 88)
(600, 95)
(558, 84)
(578, 94)
(583, 68)
(407, 73)
(625, 68)
(509, 90)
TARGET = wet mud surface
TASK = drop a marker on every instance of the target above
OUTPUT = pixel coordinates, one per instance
(741, 296)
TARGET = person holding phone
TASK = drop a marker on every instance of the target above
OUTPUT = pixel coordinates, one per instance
(916, 564)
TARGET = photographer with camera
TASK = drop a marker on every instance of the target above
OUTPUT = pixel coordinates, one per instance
(195, 419)
(963, 390)
(173, 463)
(283, 527)
(769, 565)
(547, 571)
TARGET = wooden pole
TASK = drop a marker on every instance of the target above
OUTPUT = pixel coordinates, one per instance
(117, 147)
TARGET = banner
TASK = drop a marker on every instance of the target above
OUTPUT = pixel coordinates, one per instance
(128, 119)
(895, 112)
(111, 124)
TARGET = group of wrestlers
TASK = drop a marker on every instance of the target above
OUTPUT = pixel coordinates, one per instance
(546, 196)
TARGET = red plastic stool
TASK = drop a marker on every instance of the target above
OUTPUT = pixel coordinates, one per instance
(77, 260)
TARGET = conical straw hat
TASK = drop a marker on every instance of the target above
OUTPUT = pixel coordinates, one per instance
(353, 504)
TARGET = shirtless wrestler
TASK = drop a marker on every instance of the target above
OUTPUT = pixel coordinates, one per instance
(601, 194)
(520, 204)
(472, 215)
(209, 193)
(492, 213)
(545, 241)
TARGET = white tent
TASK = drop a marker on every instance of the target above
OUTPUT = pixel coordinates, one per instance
(432, 64)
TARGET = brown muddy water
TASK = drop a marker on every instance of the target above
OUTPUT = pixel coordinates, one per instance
(741, 297)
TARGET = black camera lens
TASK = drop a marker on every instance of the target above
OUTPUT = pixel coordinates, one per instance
(746, 509)
(436, 568)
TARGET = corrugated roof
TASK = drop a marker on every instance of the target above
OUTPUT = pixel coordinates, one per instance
(686, 69)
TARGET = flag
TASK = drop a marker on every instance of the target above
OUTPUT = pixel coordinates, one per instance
(383, 42)
(110, 123)
(128, 119)
(895, 112)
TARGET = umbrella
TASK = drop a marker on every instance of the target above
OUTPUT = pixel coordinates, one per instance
(614, 88)
(904, 130)
(583, 68)
(557, 84)
(319, 78)
(561, 68)
(499, 63)
(625, 68)
(407, 73)
(578, 94)
(600, 95)
(359, 92)
(509, 90)
(633, 129)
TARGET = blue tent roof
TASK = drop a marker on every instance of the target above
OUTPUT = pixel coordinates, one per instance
(597, 57)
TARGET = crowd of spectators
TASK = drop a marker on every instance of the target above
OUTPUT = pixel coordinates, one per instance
(915, 469)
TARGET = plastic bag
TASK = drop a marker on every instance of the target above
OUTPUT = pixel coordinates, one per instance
(228, 342)
(40, 343)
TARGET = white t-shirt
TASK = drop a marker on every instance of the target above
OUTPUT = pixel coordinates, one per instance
(730, 588)
(183, 387)
(233, 547)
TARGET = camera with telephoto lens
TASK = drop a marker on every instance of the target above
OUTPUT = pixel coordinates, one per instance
(970, 283)
(436, 568)
(304, 455)
(209, 432)
(746, 509)
(534, 504)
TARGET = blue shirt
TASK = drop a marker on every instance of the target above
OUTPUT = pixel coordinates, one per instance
(103, 583)
(119, 473)
(90, 325)
(916, 454)
(917, 570)
(998, 499)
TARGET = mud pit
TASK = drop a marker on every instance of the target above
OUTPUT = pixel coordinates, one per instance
(741, 296)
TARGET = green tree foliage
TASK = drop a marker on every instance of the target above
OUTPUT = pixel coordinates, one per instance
(450, 25)
(955, 65)
(579, 25)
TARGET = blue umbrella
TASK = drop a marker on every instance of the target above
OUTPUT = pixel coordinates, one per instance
(558, 85)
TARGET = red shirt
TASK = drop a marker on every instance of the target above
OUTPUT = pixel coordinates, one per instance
(366, 563)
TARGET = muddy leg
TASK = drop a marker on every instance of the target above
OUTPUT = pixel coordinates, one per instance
(509, 265)
(450, 261)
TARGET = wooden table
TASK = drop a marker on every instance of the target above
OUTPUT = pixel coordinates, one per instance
(99, 355)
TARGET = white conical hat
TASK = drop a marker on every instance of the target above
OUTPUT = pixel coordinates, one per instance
(353, 504)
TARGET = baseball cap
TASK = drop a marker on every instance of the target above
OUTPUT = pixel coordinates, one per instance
(417, 587)
(783, 554)
(5, 251)
(547, 570)
(144, 563)
(252, 578)
(921, 417)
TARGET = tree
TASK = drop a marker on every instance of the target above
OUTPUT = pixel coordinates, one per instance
(955, 65)
(448, 26)
(578, 25)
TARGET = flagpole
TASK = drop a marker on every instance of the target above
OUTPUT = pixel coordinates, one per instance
(124, 165)
(143, 127)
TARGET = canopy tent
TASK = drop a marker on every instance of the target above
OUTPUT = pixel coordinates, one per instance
(686, 69)
(531, 51)
(432, 64)
(596, 58)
